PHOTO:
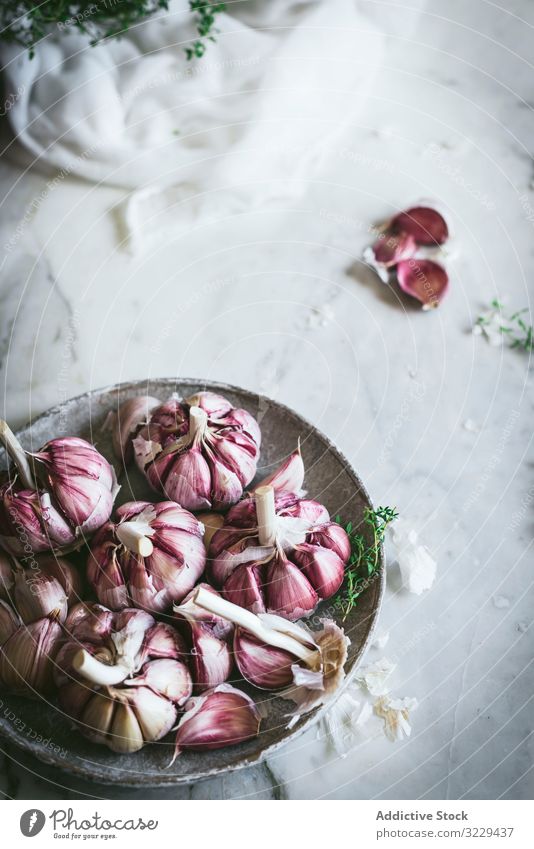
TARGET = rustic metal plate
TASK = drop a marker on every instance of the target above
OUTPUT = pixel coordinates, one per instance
(40, 728)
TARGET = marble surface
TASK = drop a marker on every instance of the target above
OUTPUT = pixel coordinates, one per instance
(277, 301)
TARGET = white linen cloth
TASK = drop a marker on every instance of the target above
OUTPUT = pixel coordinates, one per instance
(249, 122)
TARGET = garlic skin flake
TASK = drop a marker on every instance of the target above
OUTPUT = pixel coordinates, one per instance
(200, 452)
(344, 721)
(374, 677)
(151, 556)
(59, 496)
(121, 676)
(396, 716)
(416, 564)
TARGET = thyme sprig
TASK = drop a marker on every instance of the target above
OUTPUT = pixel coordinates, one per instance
(364, 560)
(496, 326)
(205, 21)
(26, 22)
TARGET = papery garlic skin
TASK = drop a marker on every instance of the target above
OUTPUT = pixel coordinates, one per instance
(59, 496)
(207, 637)
(224, 716)
(151, 556)
(121, 676)
(299, 562)
(200, 452)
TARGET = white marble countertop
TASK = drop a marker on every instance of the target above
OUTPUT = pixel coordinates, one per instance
(450, 117)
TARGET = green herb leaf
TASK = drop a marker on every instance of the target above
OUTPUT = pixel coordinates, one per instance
(363, 562)
(26, 22)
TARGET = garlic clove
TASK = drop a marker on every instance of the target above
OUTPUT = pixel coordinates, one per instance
(289, 476)
(166, 677)
(247, 425)
(156, 715)
(105, 574)
(37, 595)
(332, 536)
(222, 717)
(213, 404)
(235, 457)
(210, 658)
(33, 514)
(90, 622)
(424, 224)
(393, 245)
(73, 696)
(226, 487)
(162, 641)
(287, 591)
(7, 577)
(27, 657)
(66, 573)
(189, 611)
(243, 587)
(131, 415)
(189, 481)
(423, 279)
(263, 666)
(323, 568)
(97, 717)
(9, 622)
(125, 735)
(305, 509)
(211, 523)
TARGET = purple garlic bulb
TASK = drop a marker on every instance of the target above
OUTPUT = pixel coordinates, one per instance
(151, 556)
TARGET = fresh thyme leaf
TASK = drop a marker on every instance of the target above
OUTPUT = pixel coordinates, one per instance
(494, 323)
(205, 22)
(363, 562)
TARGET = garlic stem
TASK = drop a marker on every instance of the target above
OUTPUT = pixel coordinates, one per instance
(135, 536)
(96, 672)
(266, 514)
(198, 419)
(251, 623)
(17, 454)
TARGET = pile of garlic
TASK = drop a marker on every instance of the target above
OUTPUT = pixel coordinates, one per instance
(163, 606)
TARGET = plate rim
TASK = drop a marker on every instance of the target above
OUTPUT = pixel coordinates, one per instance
(149, 780)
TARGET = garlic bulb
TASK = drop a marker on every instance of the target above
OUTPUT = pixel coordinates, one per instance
(278, 552)
(206, 635)
(200, 452)
(120, 676)
(151, 556)
(272, 653)
(221, 717)
(60, 494)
